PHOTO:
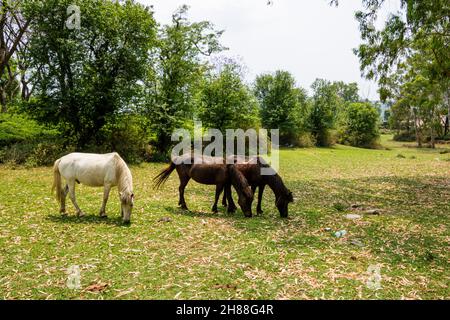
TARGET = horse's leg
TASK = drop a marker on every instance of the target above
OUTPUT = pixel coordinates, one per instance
(183, 183)
(224, 198)
(260, 194)
(64, 192)
(106, 189)
(219, 189)
(71, 185)
(231, 205)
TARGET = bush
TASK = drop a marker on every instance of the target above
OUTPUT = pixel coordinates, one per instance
(24, 141)
(358, 125)
(15, 128)
(405, 136)
(306, 140)
(45, 154)
(127, 136)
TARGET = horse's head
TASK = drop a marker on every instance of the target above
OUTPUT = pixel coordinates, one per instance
(243, 189)
(282, 203)
(245, 200)
(127, 202)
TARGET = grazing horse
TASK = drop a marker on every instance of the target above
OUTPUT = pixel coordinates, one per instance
(251, 169)
(95, 170)
(209, 172)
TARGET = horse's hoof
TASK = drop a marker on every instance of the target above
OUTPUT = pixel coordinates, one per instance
(80, 214)
(259, 212)
(214, 210)
(103, 216)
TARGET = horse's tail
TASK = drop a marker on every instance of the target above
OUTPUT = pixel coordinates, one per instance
(162, 177)
(57, 180)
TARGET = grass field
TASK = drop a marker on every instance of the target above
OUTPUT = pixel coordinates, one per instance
(200, 255)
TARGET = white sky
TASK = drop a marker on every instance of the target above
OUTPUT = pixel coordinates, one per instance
(306, 37)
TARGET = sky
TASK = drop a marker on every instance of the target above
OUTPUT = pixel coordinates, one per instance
(308, 38)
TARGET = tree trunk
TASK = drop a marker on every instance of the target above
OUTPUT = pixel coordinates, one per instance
(447, 120)
(433, 139)
(416, 129)
(3, 99)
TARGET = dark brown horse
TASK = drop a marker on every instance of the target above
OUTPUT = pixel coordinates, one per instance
(252, 172)
(210, 173)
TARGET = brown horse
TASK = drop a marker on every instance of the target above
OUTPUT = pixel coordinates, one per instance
(210, 173)
(251, 169)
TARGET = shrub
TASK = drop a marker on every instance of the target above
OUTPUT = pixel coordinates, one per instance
(358, 125)
(127, 136)
(45, 154)
(15, 128)
(405, 136)
(306, 140)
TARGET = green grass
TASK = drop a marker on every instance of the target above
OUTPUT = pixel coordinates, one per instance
(200, 255)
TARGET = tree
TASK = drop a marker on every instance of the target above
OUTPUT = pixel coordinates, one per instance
(358, 125)
(283, 105)
(325, 106)
(348, 92)
(418, 97)
(227, 103)
(84, 77)
(13, 28)
(421, 27)
(179, 69)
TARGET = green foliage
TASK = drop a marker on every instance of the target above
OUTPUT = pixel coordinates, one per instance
(45, 154)
(16, 128)
(410, 58)
(227, 103)
(85, 76)
(358, 125)
(323, 112)
(283, 105)
(179, 70)
(128, 135)
(348, 92)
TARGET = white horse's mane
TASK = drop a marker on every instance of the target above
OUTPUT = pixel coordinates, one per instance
(123, 174)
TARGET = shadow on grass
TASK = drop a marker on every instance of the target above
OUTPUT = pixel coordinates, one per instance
(88, 219)
(222, 214)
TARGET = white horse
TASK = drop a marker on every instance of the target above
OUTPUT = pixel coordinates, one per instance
(95, 170)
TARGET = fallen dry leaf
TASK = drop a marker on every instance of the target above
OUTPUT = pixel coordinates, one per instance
(97, 287)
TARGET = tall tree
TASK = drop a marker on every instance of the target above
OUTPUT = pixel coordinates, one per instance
(349, 92)
(283, 105)
(13, 29)
(226, 102)
(324, 110)
(179, 69)
(85, 76)
(420, 27)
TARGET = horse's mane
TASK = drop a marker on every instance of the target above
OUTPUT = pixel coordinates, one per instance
(123, 174)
